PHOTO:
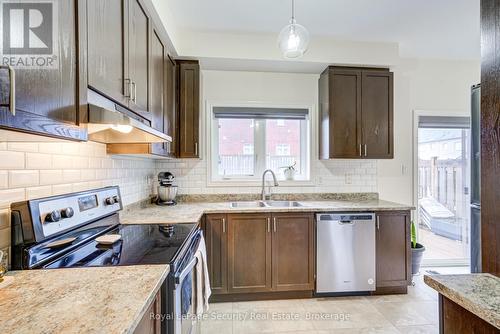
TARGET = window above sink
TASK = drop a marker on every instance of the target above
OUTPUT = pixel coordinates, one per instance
(245, 141)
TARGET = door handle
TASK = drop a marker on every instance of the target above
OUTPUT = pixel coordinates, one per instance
(378, 223)
(366, 150)
(360, 151)
(268, 225)
(12, 88)
(274, 224)
(223, 225)
(196, 148)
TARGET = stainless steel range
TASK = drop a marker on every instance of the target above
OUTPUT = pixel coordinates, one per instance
(68, 231)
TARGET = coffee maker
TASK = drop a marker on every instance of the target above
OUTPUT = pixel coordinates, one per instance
(167, 191)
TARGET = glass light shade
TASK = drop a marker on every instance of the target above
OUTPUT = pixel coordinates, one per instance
(293, 40)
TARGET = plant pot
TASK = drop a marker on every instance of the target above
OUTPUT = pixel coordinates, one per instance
(289, 174)
(416, 258)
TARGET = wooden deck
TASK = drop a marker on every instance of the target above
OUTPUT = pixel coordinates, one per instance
(438, 247)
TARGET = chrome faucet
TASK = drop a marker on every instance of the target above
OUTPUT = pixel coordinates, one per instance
(267, 196)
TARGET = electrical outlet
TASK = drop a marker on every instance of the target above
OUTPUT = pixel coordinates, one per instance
(348, 178)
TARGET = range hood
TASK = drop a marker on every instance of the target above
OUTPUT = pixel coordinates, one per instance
(108, 123)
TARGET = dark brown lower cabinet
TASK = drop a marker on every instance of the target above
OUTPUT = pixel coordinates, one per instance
(261, 252)
(216, 243)
(149, 324)
(453, 319)
(293, 252)
(393, 252)
(249, 252)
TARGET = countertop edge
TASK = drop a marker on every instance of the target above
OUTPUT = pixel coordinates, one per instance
(462, 301)
(138, 317)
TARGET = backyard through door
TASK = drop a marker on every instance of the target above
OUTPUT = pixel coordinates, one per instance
(444, 189)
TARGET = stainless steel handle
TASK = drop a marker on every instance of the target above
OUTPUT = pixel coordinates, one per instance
(365, 150)
(223, 225)
(129, 90)
(186, 271)
(12, 88)
(346, 222)
(196, 148)
(378, 223)
(134, 99)
(360, 150)
(268, 225)
(274, 224)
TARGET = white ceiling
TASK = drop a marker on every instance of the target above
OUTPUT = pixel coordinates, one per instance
(423, 28)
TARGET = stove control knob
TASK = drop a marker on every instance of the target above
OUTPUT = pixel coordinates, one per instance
(68, 212)
(53, 217)
(116, 199)
(109, 201)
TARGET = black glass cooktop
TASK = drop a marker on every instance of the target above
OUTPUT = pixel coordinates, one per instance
(139, 244)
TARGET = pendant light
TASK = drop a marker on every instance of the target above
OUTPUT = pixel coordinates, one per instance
(293, 39)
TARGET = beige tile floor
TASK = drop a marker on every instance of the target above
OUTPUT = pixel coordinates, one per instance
(416, 312)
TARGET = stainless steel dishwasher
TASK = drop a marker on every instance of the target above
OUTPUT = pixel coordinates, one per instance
(345, 253)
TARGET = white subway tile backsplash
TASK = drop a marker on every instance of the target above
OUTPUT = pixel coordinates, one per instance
(38, 161)
(22, 147)
(38, 192)
(51, 177)
(23, 178)
(71, 175)
(4, 179)
(10, 196)
(11, 160)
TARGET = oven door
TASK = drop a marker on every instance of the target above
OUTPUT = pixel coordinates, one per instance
(183, 311)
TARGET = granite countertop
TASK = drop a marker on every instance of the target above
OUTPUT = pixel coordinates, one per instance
(78, 300)
(190, 212)
(477, 293)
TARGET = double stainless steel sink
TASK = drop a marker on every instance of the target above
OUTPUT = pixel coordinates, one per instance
(265, 204)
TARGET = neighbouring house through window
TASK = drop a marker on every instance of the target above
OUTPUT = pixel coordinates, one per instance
(246, 141)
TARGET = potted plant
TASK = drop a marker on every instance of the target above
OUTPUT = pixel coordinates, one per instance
(289, 171)
(417, 250)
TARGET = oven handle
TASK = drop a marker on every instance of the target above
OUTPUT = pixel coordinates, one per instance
(186, 271)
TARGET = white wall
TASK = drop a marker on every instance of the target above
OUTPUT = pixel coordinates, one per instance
(434, 85)
(437, 85)
(271, 88)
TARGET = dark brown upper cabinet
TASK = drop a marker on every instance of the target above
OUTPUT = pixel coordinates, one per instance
(106, 47)
(139, 59)
(119, 42)
(46, 99)
(189, 108)
(171, 118)
(356, 113)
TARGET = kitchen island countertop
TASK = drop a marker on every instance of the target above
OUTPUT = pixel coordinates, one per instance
(78, 300)
(189, 212)
(477, 293)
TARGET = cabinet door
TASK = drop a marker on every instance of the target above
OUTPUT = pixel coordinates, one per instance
(393, 249)
(249, 253)
(148, 324)
(377, 114)
(345, 113)
(216, 237)
(158, 90)
(106, 48)
(138, 57)
(45, 95)
(157, 81)
(170, 121)
(293, 252)
(189, 109)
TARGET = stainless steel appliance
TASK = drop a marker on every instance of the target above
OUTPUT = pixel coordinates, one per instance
(167, 191)
(61, 232)
(475, 206)
(345, 253)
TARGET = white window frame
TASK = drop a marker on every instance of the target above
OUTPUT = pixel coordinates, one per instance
(214, 180)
